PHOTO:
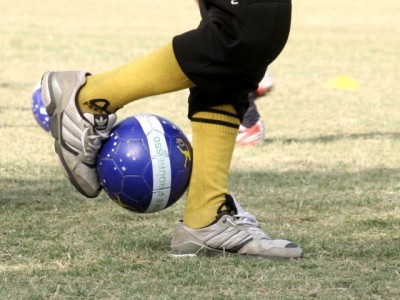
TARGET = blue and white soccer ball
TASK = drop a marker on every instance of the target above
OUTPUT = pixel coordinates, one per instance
(39, 110)
(145, 164)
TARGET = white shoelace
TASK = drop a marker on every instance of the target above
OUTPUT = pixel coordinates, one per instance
(93, 144)
(245, 218)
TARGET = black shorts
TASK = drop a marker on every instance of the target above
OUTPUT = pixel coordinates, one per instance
(228, 54)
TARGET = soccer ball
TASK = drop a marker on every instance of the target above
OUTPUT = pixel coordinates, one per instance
(38, 109)
(145, 164)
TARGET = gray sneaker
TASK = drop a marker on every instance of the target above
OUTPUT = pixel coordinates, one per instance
(234, 232)
(78, 137)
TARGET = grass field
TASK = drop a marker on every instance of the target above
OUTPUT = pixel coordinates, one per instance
(328, 176)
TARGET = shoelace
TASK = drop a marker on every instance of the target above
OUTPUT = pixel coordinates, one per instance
(246, 218)
(91, 143)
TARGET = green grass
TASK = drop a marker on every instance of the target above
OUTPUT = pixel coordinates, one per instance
(327, 177)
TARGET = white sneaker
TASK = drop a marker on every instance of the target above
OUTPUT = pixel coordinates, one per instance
(234, 232)
(78, 137)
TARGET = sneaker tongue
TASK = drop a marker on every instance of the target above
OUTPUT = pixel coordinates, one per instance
(243, 217)
(230, 206)
(234, 205)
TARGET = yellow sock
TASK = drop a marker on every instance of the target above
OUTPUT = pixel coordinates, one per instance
(214, 136)
(154, 74)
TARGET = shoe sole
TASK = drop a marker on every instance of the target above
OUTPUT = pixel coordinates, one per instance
(55, 110)
(204, 251)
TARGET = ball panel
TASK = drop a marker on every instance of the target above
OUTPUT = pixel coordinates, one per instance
(112, 182)
(136, 193)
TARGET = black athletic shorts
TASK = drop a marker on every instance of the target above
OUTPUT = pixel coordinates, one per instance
(228, 54)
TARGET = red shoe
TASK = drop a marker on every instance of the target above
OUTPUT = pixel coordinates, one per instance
(252, 136)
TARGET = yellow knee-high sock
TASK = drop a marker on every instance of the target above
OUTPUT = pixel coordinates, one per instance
(154, 74)
(214, 136)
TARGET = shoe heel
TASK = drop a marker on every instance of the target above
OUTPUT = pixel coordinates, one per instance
(46, 92)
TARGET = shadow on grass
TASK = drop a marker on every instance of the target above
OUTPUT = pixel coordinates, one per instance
(14, 191)
(22, 191)
(325, 180)
(317, 192)
(336, 137)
